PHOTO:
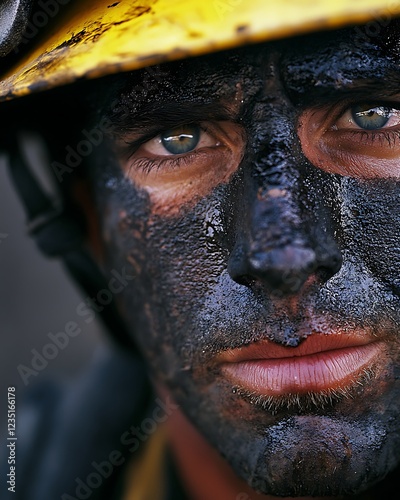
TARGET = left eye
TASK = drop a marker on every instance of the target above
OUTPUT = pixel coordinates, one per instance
(179, 140)
(371, 118)
(367, 117)
(362, 142)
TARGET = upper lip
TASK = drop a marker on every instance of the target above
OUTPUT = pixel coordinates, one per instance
(313, 344)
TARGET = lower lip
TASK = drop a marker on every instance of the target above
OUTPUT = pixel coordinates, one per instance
(326, 370)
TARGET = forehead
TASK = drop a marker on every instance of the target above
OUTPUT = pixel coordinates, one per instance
(327, 64)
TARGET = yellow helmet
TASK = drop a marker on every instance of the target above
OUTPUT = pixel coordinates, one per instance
(93, 38)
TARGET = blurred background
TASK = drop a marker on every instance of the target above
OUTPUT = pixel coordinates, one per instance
(36, 298)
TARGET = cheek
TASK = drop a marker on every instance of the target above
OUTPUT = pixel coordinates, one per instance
(175, 260)
(371, 220)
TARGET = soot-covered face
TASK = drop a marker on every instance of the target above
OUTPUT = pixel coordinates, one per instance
(255, 196)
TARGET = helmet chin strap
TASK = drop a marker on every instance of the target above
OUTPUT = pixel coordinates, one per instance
(58, 233)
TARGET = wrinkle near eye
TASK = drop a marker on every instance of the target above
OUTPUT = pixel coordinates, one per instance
(175, 180)
(363, 142)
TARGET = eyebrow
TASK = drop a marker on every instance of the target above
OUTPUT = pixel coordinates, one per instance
(358, 75)
(155, 117)
(367, 91)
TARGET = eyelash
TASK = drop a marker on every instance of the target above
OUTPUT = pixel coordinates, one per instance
(336, 142)
(147, 165)
(389, 137)
(373, 138)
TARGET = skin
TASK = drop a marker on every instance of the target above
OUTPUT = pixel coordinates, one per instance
(272, 235)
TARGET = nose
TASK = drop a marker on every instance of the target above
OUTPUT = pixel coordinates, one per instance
(285, 229)
(285, 269)
(280, 245)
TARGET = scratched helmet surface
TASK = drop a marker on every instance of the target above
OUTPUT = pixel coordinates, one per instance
(93, 38)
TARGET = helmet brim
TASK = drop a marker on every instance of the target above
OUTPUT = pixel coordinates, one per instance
(99, 37)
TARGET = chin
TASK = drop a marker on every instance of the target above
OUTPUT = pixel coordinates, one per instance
(341, 450)
(318, 456)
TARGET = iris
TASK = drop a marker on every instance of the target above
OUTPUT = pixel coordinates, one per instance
(181, 139)
(370, 118)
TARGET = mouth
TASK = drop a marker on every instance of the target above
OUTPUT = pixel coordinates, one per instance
(322, 363)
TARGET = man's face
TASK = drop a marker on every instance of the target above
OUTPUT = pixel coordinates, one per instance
(255, 196)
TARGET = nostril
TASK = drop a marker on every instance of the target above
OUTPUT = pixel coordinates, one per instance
(331, 261)
(335, 263)
(283, 269)
(238, 266)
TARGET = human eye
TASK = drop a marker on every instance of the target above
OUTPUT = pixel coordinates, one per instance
(174, 149)
(369, 117)
(358, 139)
(179, 141)
(184, 161)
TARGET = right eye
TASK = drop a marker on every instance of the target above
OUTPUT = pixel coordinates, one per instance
(179, 141)
(183, 163)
